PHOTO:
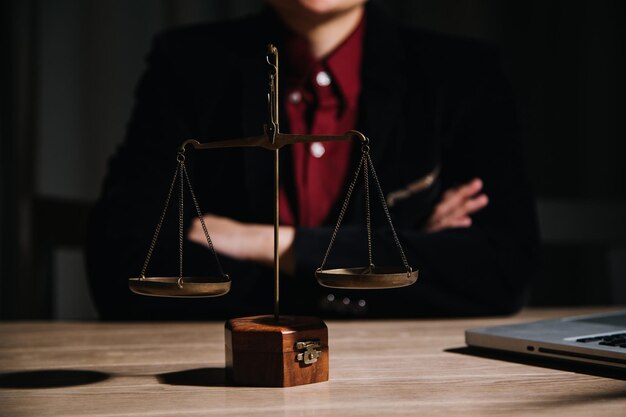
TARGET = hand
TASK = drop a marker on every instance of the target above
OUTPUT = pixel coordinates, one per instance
(246, 242)
(456, 206)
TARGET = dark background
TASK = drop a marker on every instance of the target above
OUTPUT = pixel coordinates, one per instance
(69, 67)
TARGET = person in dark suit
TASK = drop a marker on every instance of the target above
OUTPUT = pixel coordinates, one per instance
(444, 140)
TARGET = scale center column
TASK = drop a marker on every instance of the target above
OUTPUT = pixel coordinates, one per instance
(276, 236)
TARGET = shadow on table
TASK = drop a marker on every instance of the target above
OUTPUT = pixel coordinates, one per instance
(50, 378)
(560, 365)
(200, 377)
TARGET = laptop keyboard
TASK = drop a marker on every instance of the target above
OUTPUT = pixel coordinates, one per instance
(617, 340)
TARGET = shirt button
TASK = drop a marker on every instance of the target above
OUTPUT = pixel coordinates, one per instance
(322, 79)
(295, 97)
(317, 149)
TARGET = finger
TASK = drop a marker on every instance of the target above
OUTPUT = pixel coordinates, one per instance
(454, 198)
(449, 223)
(460, 222)
(468, 189)
(451, 201)
(476, 204)
(469, 206)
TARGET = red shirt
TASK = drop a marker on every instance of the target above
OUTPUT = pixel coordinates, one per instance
(321, 98)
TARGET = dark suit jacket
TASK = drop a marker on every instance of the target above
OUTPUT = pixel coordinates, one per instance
(427, 101)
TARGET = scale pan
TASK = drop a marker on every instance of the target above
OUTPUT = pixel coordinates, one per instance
(365, 278)
(191, 286)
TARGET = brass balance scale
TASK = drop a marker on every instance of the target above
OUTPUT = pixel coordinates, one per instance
(275, 350)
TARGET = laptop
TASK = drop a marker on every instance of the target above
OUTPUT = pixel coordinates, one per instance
(597, 338)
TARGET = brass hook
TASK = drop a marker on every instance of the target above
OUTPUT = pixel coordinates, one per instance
(273, 52)
(360, 136)
(194, 143)
(272, 125)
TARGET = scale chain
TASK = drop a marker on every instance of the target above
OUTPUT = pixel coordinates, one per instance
(344, 207)
(180, 223)
(204, 228)
(386, 209)
(368, 216)
(184, 177)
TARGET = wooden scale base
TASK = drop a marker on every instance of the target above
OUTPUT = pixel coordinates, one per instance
(261, 351)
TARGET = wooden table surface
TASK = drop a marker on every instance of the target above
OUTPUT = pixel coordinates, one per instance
(377, 368)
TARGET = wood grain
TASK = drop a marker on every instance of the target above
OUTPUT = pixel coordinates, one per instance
(262, 352)
(377, 368)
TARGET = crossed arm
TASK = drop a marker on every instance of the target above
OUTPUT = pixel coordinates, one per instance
(255, 242)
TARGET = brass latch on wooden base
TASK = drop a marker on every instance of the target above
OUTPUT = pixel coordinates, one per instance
(311, 352)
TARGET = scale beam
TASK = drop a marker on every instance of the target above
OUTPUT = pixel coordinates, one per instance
(265, 141)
